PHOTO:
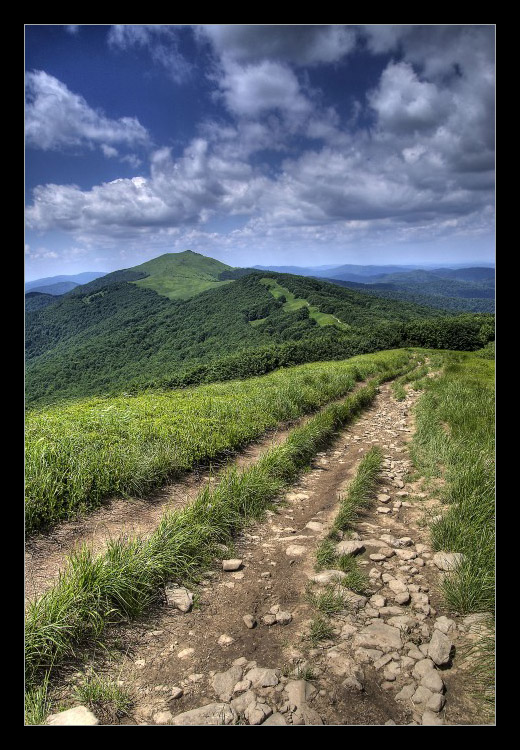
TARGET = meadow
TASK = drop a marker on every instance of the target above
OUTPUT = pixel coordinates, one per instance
(80, 452)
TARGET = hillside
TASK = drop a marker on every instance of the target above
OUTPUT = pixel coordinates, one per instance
(181, 275)
(112, 334)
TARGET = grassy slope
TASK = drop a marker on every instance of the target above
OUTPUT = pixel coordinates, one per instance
(79, 453)
(293, 303)
(455, 439)
(181, 275)
(94, 592)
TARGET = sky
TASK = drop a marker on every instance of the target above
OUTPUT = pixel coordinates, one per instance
(273, 145)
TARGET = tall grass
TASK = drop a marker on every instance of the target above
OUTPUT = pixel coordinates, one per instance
(79, 453)
(94, 592)
(455, 440)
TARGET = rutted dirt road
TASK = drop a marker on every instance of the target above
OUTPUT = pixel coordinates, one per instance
(393, 656)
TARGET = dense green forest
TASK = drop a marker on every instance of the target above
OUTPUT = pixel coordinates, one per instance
(457, 290)
(112, 334)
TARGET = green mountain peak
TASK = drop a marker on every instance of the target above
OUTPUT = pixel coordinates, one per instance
(181, 275)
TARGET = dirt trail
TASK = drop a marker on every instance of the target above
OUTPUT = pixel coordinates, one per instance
(45, 553)
(170, 660)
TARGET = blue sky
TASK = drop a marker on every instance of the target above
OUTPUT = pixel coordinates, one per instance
(301, 145)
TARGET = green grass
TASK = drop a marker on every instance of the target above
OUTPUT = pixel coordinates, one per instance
(293, 303)
(320, 630)
(455, 440)
(329, 600)
(181, 275)
(103, 696)
(79, 453)
(122, 583)
(37, 703)
(360, 490)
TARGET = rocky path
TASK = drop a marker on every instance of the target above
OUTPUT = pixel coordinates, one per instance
(239, 652)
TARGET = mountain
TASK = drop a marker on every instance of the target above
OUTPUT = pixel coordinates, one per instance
(38, 285)
(115, 334)
(60, 287)
(182, 275)
(463, 289)
(353, 272)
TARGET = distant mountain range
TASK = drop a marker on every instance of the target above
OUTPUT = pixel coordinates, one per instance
(153, 323)
(57, 285)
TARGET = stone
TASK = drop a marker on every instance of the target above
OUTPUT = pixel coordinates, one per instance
(406, 554)
(384, 510)
(406, 693)
(275, 720)
(269, 620)
(328, 576)
(256, 713)
(249, 621)
(377, 601)
(73, 717)
(241, 702)
(283, 618)
(377, 557)
(433, 681)
(430, 719)
(477, 622)
(241, 687)
(224, 682)
(348, 630)
(421, 667)
(447, 560)
(439, 649)
(176, 692)
(261, 677)
(436, 703)
(295, 550)
(162, 718)
(233, 564)
(314, 526)
(179, 597)
(421, 695)
(367, 655)
(351, 599)
(403, 598)
(445, 625)
(352, 684)
(225, 640)
(213, 714)
(384, 498)
(397, 586)
(378, 635)
(350, 547)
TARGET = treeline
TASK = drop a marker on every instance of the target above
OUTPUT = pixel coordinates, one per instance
(463, 333)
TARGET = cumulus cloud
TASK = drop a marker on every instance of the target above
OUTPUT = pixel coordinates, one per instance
(251, 90)
(302, 45)
(56, 118)
(423, 169)
(404, 103)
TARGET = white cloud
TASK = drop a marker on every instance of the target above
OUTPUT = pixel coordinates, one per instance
(404, 103)
(301, 45)
(251, 90)
(56, 118)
